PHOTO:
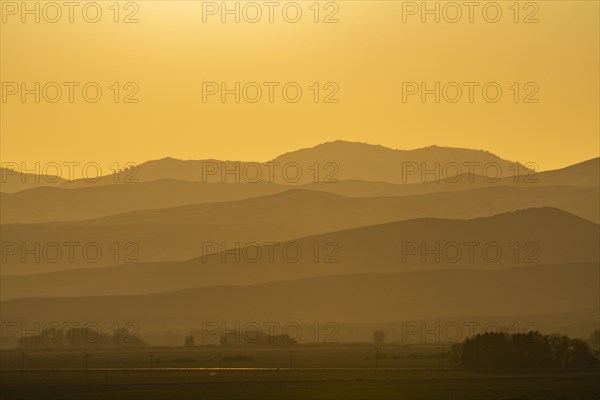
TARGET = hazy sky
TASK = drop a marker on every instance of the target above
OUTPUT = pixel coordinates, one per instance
(367, 55)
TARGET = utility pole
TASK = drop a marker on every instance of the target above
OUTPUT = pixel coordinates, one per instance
(220, 359)
(151, 360)
(442, 356)
(23, 361)
(376, 357)
(291, 359)
(87, 356)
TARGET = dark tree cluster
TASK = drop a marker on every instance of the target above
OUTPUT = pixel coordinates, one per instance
(523, 350)
(189, 341)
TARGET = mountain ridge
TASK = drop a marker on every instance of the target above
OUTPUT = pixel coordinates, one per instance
(523, 237)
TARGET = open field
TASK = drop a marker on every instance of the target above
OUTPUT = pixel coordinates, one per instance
(320, 372)
(299, 384)
(304, 356)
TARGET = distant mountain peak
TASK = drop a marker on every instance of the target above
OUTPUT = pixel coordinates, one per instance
(345, 145)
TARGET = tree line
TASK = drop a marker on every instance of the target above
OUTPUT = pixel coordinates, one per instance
(522, 350)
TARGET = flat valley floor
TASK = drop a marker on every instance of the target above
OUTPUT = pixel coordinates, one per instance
(313, 383)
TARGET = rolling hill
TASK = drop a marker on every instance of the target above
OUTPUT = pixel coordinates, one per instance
(327, 162)
(358, 298)
(526, 237)
(177, 234)
(12, 181)
(50, 204)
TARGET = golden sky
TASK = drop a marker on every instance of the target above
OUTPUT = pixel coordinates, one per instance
(368, 54)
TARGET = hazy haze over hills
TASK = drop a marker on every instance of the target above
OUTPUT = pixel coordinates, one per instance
(339, 160)
(532, 236)
(349, 298)
(48, 204)
(378, 240)
(177, 234)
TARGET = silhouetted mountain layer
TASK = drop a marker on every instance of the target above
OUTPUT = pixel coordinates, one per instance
(49, 204)
(177, 234)
(532, 236)
(358, 298)
(12, 181)
(585, 174)
(326, 162)
(362, 161)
